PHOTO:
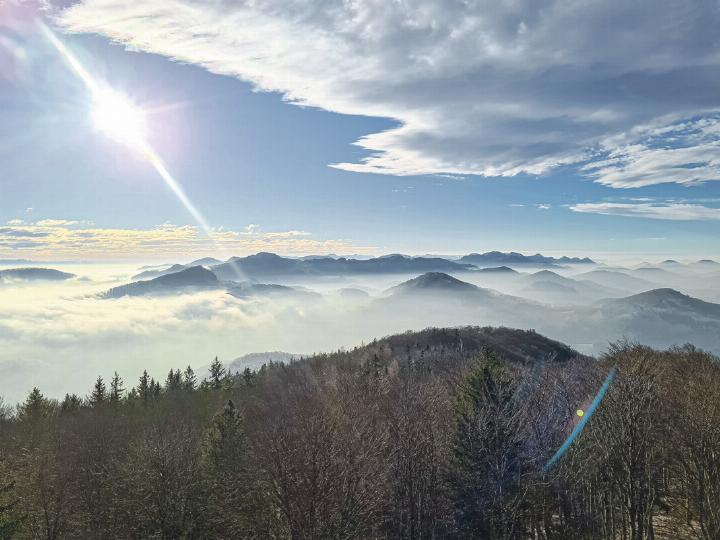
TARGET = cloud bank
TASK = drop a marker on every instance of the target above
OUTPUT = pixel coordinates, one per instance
(489, 88)
(54, 239)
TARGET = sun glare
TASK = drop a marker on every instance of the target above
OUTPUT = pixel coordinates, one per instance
(119, 118)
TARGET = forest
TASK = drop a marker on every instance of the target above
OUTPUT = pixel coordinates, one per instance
(444, 433)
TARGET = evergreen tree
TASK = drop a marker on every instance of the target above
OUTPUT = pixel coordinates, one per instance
(71, 403)
(155, 389)
(248, 376)
(487, 465)
(98, 397)
(116, 389)
(217, 374)
(173, 382)
(189, 379)
(143, 388)
(226, 467)
(35, 406)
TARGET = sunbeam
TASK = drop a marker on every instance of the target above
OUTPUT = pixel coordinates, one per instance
(120, 119)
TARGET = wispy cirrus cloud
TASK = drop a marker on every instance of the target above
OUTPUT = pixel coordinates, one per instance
(70, 240)
(666, 211)
(489, 88)
(682, 153)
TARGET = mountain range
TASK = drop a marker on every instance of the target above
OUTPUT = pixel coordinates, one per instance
(269, 265)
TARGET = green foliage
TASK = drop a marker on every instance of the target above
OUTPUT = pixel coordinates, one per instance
(217, 374)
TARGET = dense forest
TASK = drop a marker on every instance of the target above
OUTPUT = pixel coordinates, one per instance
(444, 433)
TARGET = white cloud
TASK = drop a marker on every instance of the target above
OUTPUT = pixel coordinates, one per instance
(56, 222)
(543, 206)
(683, 153)
(76, 240)
(667, 211)
(493, 88)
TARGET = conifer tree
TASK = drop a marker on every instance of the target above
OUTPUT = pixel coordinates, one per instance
(189, 379)
(173, 382)
(71, 403)
(98, 397)
(116, 389)
(487, 464)
(217, 374)
(143, 388)
(229, 489)
(35, 406)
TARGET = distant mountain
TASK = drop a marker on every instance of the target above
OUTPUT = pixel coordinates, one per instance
(205, 261)
(661, 318)
(497, 270)
(255, 360)
(247, 290)
(434, 297)
(15, 262)
(434, 282)
(492, 258)
(550, 287)
(195, 277)
(35, 274)
(353, 293)
(618, 280)
(153, 273)
(265, 265)
(669, 299)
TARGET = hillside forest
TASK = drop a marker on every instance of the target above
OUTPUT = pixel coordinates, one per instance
(443, 433)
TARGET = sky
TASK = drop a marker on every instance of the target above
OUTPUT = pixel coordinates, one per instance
(366, 127)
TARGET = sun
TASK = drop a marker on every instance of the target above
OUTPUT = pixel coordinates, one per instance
(119, 118)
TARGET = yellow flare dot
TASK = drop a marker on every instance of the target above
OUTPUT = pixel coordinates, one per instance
(579, 412)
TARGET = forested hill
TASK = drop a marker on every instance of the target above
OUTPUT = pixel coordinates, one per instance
(522, 346)
(442, 434)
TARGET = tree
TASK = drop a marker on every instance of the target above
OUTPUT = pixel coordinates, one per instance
(189, 379)
(10, 520)
(143, 388)
(71, 403)
(98, 397)
(34, 407)
(487, 468)
(116, 389)
(217, 374)
(174, 381)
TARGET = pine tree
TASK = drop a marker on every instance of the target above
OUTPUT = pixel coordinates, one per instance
(225, 453)
(248, 376)
(98, 397)
(189, 379)
(173, 381)
(116, 389)
(217, 374)
(487, 465)
(35, 406)
(155, 389)
(225, 437)
(70, 403)
(143, 388)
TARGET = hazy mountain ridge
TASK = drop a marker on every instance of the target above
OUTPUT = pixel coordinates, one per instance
(195, 277)
(35, 274)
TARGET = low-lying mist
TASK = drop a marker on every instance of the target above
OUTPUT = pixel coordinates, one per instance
(60, 336)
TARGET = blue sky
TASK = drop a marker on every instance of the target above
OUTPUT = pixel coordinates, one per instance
(253, 147)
